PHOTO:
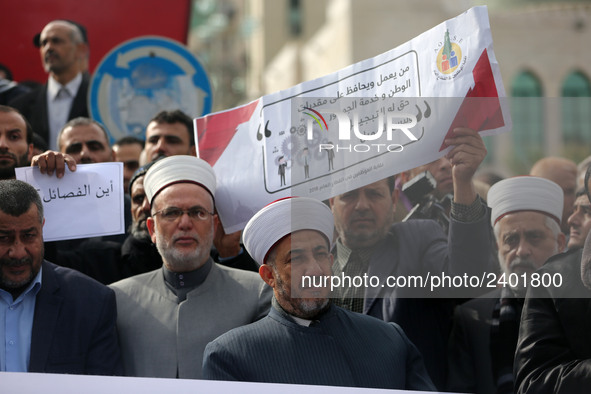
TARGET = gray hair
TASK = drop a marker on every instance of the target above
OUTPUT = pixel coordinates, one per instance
(16, 198)
(75, 32)
(551, 224)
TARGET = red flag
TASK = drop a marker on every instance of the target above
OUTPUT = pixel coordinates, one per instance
(481, 109)
(225, 124)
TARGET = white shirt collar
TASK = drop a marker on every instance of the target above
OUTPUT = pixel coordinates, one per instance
(53, 86)
(301, 322)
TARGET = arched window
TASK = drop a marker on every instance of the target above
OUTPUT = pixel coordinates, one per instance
(527, 112)
(576, 115)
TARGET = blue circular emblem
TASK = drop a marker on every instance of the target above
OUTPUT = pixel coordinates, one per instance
(142, 77)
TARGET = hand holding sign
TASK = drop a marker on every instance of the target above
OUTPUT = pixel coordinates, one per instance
(368, 121)
(82, 204)
(51, 161)
(466, 155)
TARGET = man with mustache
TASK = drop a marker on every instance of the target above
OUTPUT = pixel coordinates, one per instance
(63, 46)
(139, 253)
(80, 141)
(526, 217)
(86, 141)
(54, 319)
(305, 339)
(169, 133)
(370, 243)
(167, 316)
(16, 141)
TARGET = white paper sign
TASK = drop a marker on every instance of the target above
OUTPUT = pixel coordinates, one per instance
(361, 124)
(33, 383)
(82, 204)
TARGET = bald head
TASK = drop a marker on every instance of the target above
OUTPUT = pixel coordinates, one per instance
(74, 32)
(563, 172)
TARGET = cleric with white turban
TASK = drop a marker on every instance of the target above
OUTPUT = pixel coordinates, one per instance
(283, 217)
(166, 317)
(526, 216)
(525, 193)
(305, 339)
(179, 169)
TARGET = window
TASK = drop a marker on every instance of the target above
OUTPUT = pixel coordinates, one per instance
(527, 111)
(295, 18)
(576, 116)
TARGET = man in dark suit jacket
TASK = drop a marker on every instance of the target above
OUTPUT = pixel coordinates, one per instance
(64, 47)
(57, 320)
(554, 350)
(33, 106)
(369, 244)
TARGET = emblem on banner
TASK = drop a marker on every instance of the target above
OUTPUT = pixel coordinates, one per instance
(449, 57)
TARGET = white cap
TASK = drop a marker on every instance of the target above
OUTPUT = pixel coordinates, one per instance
(525, 193)
(282, 217)
(178, 169)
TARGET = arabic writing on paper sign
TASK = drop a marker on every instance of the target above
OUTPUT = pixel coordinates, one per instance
(53, 193)
(85, 203)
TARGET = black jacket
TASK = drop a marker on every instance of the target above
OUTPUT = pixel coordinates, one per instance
(554, 347)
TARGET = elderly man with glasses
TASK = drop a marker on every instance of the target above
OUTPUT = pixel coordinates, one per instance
(167, 316)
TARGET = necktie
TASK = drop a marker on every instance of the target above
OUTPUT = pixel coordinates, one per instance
(63, 93)
(349, 296)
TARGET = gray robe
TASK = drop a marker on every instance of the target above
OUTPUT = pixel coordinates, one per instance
(161, 338)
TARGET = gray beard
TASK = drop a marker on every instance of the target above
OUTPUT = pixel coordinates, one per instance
(303, 308)
(178, 261)
(520, 291)
(140, 231)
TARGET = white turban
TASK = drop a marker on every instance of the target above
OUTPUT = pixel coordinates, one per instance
(525, 193)
(283, 217)
(178, 169)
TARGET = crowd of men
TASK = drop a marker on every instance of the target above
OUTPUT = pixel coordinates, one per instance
(177, 297)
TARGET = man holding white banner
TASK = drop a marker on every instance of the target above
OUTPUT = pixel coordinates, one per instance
(84, 141)
(370, 245)
(366, 122)
(436, 94)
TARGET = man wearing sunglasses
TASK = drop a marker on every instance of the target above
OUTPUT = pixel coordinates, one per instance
(166, 317)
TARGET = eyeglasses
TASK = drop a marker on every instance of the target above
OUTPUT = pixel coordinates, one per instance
(173, 214)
